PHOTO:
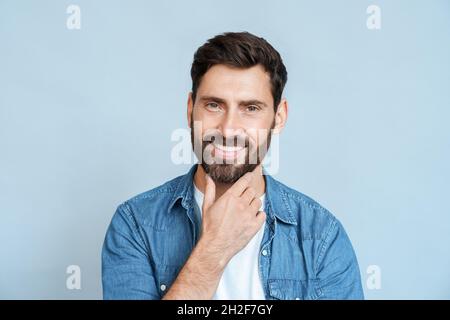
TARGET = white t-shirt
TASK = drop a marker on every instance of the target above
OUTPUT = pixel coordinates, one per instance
(240, 279)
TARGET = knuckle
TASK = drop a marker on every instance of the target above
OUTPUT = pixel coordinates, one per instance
(229, 196)
(256, 204)
(241, 205)
(246, 177)
(228, 193)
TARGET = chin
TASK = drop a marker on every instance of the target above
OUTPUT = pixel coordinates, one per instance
(227, 173)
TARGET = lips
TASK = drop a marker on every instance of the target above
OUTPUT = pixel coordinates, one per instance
(228, 152)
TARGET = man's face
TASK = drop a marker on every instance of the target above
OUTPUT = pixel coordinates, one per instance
(232, 120)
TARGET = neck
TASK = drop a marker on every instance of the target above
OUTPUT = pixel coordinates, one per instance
(258, 183)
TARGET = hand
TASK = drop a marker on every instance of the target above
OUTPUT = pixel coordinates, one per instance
(231, 221)
(228, 225)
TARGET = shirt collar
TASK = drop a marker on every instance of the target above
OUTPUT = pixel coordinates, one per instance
(277, 204)
(184, 190)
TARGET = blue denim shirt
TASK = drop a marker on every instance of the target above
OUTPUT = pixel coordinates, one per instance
(304, 254)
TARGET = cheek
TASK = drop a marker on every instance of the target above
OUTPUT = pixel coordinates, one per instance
(258, 131)
(201, 123)
(258, 137)
(207, 121)
(261, 121)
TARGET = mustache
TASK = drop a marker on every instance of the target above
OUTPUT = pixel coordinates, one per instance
(232, 141)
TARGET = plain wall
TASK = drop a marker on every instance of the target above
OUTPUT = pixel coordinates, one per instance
(86, 118)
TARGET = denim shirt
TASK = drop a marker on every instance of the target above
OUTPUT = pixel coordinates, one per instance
(305, 252)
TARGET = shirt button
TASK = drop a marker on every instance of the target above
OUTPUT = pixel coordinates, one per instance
(264, 252)
(163, 287)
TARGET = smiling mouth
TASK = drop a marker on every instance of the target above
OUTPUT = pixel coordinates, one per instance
(228, 152)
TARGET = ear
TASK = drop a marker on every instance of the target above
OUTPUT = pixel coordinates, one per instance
(190, 108)
(281, 116)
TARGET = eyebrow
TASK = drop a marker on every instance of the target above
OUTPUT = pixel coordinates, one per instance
(241, 103)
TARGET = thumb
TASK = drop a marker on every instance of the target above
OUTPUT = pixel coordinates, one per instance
(210, 193)
(261, 216)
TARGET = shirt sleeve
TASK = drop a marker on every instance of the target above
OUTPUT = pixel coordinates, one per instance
(126, 269)
(337, 266)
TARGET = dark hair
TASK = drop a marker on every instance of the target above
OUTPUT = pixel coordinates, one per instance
(241, 50)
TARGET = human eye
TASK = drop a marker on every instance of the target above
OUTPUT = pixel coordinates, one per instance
(213, 106)
(252, 108)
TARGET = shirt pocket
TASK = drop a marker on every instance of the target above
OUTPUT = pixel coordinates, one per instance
(286, 289)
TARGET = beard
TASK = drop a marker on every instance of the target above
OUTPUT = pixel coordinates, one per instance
(229, 173)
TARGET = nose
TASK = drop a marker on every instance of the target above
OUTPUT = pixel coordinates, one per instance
(230, 125)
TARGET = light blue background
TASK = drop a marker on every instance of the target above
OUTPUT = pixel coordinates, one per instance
(86, 118)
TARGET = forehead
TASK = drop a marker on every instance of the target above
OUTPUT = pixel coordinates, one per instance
(235, 83)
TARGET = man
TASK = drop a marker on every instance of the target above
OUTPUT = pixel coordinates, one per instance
(225, 230)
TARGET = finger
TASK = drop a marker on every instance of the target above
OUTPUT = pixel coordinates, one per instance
(261, 217)
(258, 171)
(248, 195)
(256, 204)
(239, 186)
(255, 174)
(210, 193)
